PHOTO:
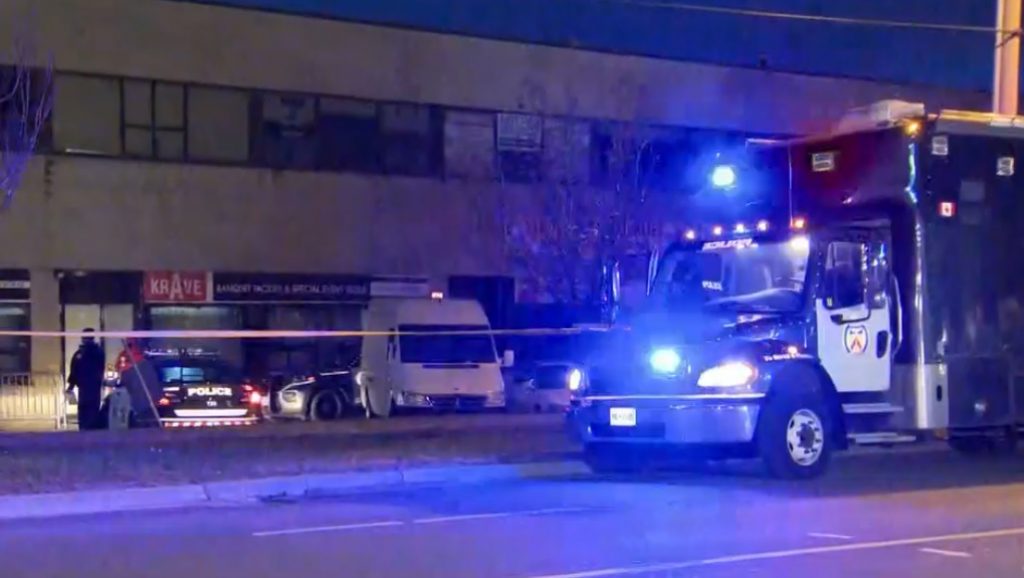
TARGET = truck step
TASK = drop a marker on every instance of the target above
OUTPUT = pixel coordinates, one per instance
(881, 437)
(871, 408)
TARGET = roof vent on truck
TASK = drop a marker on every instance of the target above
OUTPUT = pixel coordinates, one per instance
(882, 114)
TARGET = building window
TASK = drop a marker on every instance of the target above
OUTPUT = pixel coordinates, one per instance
(469, 145)
(86, 112)
(520, 140)
(218, 124)
(285, 131)
(349, 135)
(154, 119)
(410, 140)
(15, 352)
(566, 153)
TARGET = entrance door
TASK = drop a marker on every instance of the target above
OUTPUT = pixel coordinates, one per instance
(854, 310)
(77, 318)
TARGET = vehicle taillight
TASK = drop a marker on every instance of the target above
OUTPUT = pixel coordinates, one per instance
(255, 398)
(164, 402)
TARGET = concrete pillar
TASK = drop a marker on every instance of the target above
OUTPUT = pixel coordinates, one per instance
(45, 314)
(1006, 75)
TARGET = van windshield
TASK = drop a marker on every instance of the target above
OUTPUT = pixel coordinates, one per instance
(466, 348)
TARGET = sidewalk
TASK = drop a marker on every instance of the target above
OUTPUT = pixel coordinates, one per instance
(74, 461)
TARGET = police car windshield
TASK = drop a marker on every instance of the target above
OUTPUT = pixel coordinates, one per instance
(738, 275)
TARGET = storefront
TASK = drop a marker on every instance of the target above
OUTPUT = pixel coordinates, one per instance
(173, 300)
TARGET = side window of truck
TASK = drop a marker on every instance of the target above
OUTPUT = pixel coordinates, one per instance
(844, 278)
(877, 274)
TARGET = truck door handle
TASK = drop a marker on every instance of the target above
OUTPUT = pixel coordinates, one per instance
(883, 344)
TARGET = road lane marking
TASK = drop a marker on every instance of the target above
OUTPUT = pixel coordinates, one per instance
(488, 515)
(671, 566)
(950, 553)
(339, 528)
(434, 520)
(830, 536)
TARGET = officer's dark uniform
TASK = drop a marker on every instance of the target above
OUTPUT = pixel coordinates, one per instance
(87, 375)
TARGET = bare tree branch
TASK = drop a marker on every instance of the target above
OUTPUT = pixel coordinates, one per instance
(26, 100)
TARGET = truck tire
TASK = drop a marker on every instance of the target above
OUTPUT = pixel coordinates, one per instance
(325, 406)
(794, 436)
(612, 459)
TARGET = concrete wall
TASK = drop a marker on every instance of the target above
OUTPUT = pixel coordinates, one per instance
(84, 213)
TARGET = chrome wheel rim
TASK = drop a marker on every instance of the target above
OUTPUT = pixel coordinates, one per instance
(805, 437)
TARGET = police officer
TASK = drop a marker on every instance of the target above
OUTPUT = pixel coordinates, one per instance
(87, 376)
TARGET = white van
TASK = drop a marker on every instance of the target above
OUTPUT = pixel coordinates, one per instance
(421, 370)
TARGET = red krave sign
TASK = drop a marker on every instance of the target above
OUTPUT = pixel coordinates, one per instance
(176, 286)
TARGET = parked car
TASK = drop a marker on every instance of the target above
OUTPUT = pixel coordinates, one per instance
(546, 386)
(324, 395)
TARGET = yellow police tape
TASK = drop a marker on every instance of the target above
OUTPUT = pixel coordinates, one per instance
(294, 334)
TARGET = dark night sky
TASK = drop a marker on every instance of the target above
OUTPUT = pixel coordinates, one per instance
(954, 59)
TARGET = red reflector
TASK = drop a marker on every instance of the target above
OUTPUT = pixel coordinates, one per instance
(947, 209)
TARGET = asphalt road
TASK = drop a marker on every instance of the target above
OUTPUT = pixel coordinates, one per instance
(896, 514)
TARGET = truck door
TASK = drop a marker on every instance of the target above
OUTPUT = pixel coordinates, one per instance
(853, 311)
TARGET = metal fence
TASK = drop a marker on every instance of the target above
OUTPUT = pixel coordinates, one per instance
(33, 397)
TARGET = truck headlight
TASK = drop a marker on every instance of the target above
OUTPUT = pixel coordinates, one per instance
(574, 379)
(732, 374)
(665, 361)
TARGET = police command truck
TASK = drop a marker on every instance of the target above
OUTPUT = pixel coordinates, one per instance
(860, 287)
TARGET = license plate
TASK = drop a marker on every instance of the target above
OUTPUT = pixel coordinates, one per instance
(622, 416)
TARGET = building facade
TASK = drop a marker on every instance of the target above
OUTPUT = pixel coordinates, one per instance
(214, 167)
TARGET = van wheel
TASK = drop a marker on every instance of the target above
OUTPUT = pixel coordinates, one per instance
(794, 436)
(325, 406)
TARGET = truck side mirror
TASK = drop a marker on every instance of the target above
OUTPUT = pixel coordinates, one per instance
(508, 358)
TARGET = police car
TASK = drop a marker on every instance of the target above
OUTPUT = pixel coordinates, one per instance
(202, 389)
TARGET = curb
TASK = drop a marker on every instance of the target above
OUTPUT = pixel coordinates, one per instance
(247, 491)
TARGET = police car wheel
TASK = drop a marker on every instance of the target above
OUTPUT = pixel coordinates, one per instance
(325, 406)
(794, 436)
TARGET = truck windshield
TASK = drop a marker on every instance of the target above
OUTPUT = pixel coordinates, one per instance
(736, 275)
(466, 348)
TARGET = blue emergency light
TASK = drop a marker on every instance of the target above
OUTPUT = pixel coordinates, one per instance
(723, 177)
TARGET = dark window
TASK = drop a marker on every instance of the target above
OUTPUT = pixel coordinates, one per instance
(349, 135)
(285, 135)
(411, 140)
(613, 155)
(15, 352)
(218, 124)
(845, 281)
(458, 348)
(520, 144)
(154, 119)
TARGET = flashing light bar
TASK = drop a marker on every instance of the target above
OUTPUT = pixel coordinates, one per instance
(761, 226)
(188, 423)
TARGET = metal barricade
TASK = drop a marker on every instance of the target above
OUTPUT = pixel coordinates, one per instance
(33, 397)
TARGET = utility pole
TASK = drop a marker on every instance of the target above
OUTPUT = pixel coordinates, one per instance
(1006, 76)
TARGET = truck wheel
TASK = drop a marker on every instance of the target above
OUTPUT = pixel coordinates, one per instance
(325, 406)
(610, 459)
(795, 437)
